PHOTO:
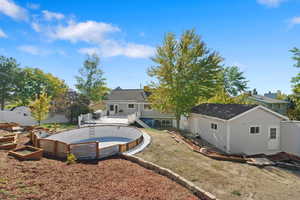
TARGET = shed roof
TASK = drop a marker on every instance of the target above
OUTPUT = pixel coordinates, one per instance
(222, 111)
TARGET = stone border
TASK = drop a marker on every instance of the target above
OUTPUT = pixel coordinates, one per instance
(199, 192)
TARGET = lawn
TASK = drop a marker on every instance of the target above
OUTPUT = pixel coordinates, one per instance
(106, 180)
(59, 126)
(226, 180)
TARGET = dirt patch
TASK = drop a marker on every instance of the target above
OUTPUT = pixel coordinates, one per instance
(108, 179)
(225, 180)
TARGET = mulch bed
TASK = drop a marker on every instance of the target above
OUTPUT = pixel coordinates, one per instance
(108, 179)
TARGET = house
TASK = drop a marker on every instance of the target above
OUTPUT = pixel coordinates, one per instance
(244, 129)
(22, 116)
(269, 100)
(125, 102)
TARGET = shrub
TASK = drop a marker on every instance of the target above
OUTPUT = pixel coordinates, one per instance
(71, 159)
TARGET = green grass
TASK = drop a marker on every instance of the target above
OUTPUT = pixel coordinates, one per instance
(226, 180)
(237, 193)
(59, 126)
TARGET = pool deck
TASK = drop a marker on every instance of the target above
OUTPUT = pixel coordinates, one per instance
(142, 146)
(105, 120)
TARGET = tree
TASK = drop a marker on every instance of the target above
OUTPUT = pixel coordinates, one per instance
(281, 96)
(8, 73)
(254, 92)
(233, 80)
(33, 81)
(91, 82)
(223, 97)
(295, 97)
(79, 106)
(186, 70)
(40, 107)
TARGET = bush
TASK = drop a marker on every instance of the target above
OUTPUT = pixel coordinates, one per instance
(71, 159)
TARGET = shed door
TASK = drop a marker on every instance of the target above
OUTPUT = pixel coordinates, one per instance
(274, 138)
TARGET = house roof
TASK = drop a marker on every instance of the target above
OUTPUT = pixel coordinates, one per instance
(266, 99)
(222, 111)
(128, 95)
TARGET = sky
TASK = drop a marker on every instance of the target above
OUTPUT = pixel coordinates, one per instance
(57, 36)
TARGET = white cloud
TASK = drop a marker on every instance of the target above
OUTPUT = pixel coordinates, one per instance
(89, 31)
(33, 6)
(2, 34)
(34, 50)
(113, 48)
(271, 3)
(96, 33)
(40, 51)
(36, 26)
(294, 21)
(9, 8)
(52, 15)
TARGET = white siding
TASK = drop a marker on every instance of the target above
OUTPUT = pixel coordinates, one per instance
(290, 137)
(241, 141)
(202, 126)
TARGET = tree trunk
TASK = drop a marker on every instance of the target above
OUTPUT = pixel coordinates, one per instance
(177, 122)
(2, 100)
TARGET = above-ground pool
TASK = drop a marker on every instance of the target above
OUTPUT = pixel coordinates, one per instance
(105, 135)
(108, 140)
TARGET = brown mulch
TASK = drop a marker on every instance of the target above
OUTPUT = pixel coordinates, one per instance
(108, 179)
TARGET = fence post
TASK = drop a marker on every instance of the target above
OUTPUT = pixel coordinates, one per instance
(97, 150)
(55, 148)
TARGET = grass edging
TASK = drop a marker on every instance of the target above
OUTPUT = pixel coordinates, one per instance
(199, 192)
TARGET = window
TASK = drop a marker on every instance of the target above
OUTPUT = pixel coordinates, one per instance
(147, 107)
(131, 106)
(163, 123)
(111, 107)
(254, 129)
(214, 126)
(273, 133)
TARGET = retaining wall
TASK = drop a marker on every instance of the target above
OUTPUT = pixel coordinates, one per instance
(199, 192)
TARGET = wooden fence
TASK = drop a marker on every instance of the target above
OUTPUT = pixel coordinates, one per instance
(82, 151)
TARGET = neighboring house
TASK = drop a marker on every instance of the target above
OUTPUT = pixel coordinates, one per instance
(269, 100)
(124, 102)
(244, 129)
(22, 116)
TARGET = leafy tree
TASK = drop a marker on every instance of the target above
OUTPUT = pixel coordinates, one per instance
(295, 97)
(32, 81)
(281, 96)
(8, 77)
(80, 105)
(223, 97)
(91, 82)
(40, 107)
(254, 92)
(233, 80)
(186, 70)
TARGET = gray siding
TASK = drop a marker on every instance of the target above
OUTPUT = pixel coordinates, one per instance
(124, 108)
(138, 107)
(290, 137)
(202, 126)
(241, 141)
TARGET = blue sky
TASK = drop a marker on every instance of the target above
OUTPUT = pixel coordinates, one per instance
(54, 35)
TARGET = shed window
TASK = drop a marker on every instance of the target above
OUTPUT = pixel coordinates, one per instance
(273, 133)
(111, 107)
(214, 126)
(254, 130)
(130, 105)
